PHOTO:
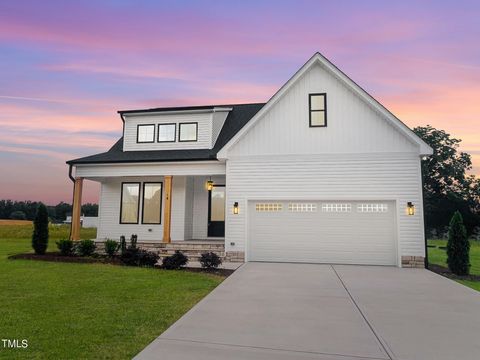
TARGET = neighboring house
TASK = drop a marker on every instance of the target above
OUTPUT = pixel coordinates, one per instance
(321, 173)
(85, 221)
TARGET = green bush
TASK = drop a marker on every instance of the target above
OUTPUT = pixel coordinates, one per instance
(123, 244)
(134, 256)
(111, 247)
(40, 230)
(86, 247)
(133, 241)
(66, 247)
(175, 261)
(458, 247)
(210, 260)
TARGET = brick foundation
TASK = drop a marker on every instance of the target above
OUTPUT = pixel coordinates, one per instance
(235, 256)
(413, 262)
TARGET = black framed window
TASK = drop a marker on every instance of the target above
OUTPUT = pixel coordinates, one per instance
(317, 104)
(146, 133)
(188, 132)
(152, 203)
(167, 132)
(130, 203)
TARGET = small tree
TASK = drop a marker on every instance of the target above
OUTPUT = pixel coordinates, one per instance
(40, 230)
(458, 247)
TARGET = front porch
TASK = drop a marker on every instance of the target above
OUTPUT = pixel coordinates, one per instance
(166, 212)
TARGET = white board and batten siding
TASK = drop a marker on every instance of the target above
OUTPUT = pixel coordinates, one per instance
(358, 156)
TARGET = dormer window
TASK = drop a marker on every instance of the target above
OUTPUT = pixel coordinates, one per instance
(188, 132)
(166, 132)
(146, 133)
(318, 110)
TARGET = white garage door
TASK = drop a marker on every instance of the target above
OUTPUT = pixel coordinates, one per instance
(338, 232)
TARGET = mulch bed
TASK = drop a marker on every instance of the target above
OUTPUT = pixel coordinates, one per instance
(57, 257)
(447, 273)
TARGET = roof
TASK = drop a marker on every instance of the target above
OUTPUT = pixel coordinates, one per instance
(318, 58)
(177, 108)
(235, 121)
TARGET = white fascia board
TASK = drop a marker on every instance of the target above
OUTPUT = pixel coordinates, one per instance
(424, 148)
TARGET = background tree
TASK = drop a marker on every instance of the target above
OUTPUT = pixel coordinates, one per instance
(40, 230)
(458, 246)
(447, 185)
(18, 215)
(61, 211)
(89, 209)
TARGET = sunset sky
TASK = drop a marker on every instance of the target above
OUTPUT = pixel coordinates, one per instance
(66, 67)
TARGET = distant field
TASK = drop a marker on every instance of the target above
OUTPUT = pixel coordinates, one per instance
(14, 222)
(24, 230)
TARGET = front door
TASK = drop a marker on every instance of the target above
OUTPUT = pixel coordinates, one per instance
(216, 211)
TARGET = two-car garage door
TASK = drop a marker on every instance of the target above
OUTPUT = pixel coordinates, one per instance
(341, 232)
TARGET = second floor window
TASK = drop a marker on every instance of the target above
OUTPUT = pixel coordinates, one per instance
(317, 110)
(166, 132)
(188, 132)
(146, 133)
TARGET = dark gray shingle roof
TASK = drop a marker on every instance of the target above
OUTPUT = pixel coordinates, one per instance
(236, 119)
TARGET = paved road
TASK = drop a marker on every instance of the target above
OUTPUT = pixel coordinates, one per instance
(334, 312)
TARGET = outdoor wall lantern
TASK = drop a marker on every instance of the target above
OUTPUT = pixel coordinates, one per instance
(410, 208)
(235, 208)
(209, 185)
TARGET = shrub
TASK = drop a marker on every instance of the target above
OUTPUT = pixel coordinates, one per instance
(111, 247)
(458, 247)
(123, 244)
(133, 241)
(86, 247)
(40, 230)
(133, 256)
(210, 260)
(66, 247)
(175, 261)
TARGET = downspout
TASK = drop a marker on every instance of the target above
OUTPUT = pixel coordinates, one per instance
(423, 209)
(70, 168)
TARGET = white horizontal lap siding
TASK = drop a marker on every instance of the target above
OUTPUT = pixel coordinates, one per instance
(204, 141)
(393, 177)
(109, 211)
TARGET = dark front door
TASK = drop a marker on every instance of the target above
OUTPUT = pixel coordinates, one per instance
(216, 211)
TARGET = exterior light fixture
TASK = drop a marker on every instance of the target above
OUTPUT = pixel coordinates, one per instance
(410, 208)
(209, 185)
(235, 208)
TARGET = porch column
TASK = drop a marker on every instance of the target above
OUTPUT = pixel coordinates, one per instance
(167, 213)
(76, 208)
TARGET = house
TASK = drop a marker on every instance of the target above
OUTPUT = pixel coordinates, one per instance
(85, 221)
(321, 173)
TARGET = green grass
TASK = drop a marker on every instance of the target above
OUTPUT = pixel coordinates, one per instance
(71, 311)
(439, 257)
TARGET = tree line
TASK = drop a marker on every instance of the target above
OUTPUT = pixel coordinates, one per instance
(447, 186)
(26, 210)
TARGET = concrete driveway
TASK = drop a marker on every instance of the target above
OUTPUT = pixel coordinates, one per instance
(337, 312)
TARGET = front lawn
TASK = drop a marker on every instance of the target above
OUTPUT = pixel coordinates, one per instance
(85, 311)
(438, 256)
